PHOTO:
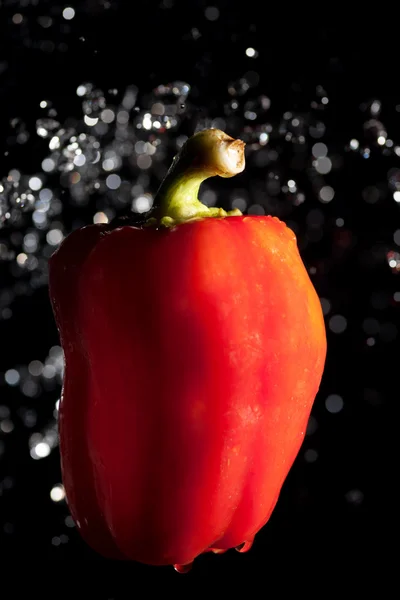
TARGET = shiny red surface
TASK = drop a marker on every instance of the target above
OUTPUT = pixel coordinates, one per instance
(193, 357)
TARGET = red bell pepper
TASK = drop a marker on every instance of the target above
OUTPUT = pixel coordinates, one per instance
(194, 347)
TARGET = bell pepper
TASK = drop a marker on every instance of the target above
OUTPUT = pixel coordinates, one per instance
(194, 348)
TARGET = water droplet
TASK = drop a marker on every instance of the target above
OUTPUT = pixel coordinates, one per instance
(183, 568)
(245, 547)
(94, 103)
(355, 497)
(216, 550)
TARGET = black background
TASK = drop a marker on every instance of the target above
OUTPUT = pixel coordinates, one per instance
(148, 43)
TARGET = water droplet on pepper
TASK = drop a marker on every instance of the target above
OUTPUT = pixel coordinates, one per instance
(184, 568)
(245, 547)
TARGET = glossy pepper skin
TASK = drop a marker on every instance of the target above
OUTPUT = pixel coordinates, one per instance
(194, 348)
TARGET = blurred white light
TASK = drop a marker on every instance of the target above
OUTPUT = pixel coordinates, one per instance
(250, 52)
(334, 403)
(42, 132)
(80, 160)
(35, 183)
(113, 181)
(41, 450)
(90, 121)
(147, 122)
(57, 493)
(107, 116)
(81, 90)
(39, 218)
(310, 455)
(45, 195)
(337, 324)
(31, 242)
(22, 258)
(12, 377)
(354, 496)
(142, 204)
(323, 165)
(109, 164)
(100, 217)
(49, 371)
(68, 13)
(208, 197)
(326, 194)
(211, 13)
(54, 143)
(319, 150)
(6, 426)
(48, 165)
(239, 203)
(35, 368)
(54, 237)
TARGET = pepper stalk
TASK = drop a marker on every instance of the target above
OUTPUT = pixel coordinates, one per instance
(208, 153)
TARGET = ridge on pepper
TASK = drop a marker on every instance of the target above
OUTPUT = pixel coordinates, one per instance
(194, 349)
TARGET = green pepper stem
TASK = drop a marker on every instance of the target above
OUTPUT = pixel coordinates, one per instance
(206, 154)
